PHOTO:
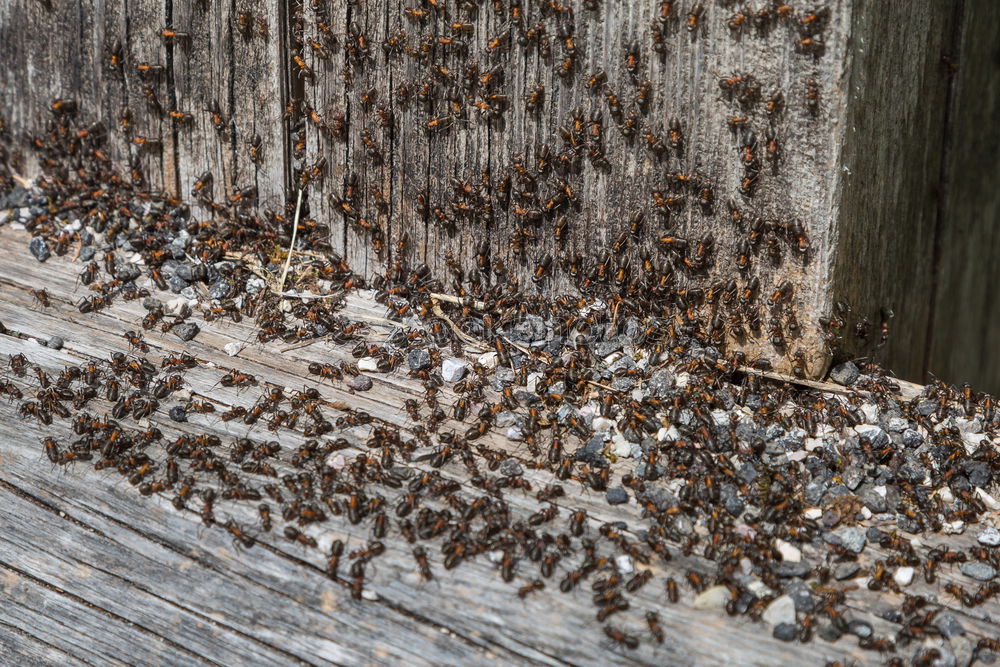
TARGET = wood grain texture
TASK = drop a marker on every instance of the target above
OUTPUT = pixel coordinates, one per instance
(966, 315)
(893, 139)
(874, 175)
(92, 567)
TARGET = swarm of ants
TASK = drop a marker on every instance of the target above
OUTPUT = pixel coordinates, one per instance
(634, 384)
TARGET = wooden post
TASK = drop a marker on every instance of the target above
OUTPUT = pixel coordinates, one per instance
(839, 134)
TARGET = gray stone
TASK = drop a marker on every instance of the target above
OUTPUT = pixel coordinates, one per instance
(504, 419)
(747, 431)
(178, 413)
(874, 501)
(184, 272)
(453, 370)
(606, 347)
(845, 570)
(623, 383)
(87, 254)
(660, 383)
(978, 570)
(556, 388)
(186, 331)
(591, 452)
(748, 473)
(978, 473)
(152, 303)
(419, 359)
(876, 436)
(219, 290)
(360, 383)
(853, 477)
(176, 284)
(849, 537)
(505, 374)
(56, 343)
(948, 625)
(616, 496)
(781, 610)
(803, 599)
(786, 632)
(39, 248)
(990, 537)
(528, 330)
(127, 271)
(845, 374)
(829, 632)
(788, 569)
(926, 407)
(860, 629)
(511, 468)
(734, 504)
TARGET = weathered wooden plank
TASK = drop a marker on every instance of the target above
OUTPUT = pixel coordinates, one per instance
(201, 84)
(475, 584)
(471, 601)
(893, 147)
(28, 649)
(965, 314)
(257, 67)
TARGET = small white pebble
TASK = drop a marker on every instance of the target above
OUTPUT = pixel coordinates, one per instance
(183, 394)
(866, 513)
(453, 370)
(601, 424)
(622, 447)
(812, 513)
(368, 364)
(789, 552)
(955, 527)
(711, 598)
(624, 564)
(495, 556)
(988, 500)
(232, 349)
(990, 537)
(337, 462)
(369, 595)
(903, 576)
(488, 360)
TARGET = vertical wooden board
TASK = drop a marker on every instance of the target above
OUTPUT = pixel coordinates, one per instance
(324, 104)
(256, 104)
(887, 206)
(148, 92)
(110, 42)
(361, 79)
(966, 312)
(201, 84)
(46, 53)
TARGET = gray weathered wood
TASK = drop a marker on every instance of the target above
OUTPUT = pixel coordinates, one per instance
(863, 175)
(124, 570)
(965, 313)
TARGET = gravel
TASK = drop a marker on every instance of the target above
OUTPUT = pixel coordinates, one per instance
(418, 359)
(990, 537)
(978, 570)
(616, 496)
(845, 374)
(360, 383)
(186, 331)
(56, 343)
(39, 248)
